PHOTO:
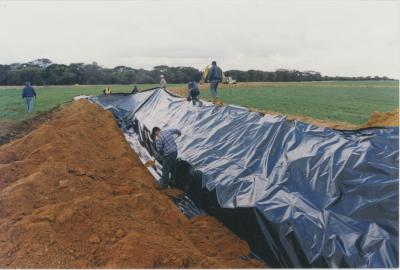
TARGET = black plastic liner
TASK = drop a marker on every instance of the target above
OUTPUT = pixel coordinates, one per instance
(301, 195)
(187, 206)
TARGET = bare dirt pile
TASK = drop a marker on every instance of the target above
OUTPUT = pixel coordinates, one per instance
(74, 195)
(384, 119)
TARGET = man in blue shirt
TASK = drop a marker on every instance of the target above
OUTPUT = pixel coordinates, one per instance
(166, 147)
(29, 94)
(194, 93)
(214, 75)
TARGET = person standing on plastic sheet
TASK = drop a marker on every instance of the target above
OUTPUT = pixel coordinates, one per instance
(214, 76)
(166, 147)
(29, 94)
(163, 82)
(194, 93)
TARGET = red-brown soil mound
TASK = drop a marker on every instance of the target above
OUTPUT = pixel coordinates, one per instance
(73, 194)
(384, 119)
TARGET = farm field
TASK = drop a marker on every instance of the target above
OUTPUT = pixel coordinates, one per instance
(350, 102)
(13, 108)
(345, 101)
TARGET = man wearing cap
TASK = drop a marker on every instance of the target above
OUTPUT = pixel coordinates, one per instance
(214, 76)
(163, 82)
(29, 94)
(166, 147)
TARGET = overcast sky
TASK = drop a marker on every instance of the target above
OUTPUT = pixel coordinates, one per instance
(333, 37)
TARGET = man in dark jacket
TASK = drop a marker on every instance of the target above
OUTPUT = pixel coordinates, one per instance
(194, 93)
(135, 90)
(29, 94)
(214, 76)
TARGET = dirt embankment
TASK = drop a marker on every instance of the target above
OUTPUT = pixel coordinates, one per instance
(384, 119)
(74, 195)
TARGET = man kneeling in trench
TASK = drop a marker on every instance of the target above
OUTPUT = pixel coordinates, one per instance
(166, 147)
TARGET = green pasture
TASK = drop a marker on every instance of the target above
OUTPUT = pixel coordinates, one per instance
(344, 101)
(351, 102)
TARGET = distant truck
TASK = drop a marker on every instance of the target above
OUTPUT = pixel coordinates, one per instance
(228, 80)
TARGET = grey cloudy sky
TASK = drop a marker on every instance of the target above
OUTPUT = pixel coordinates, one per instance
(333, 37)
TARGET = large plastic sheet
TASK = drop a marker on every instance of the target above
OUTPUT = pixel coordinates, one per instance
(313, 196)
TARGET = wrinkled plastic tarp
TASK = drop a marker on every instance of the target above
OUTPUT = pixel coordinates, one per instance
(321, 197)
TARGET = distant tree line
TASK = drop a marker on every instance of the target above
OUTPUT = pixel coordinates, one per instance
(44, 72)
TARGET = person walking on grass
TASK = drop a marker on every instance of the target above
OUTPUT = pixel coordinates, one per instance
(29, 94)
(163, 82)
(166, 147)
(214, 76)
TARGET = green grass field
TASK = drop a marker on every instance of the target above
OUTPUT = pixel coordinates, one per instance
(13, 108)
(350, 102)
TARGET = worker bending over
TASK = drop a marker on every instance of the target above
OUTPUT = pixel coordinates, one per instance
(194, 93)
(166, 147)
(135, 89)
